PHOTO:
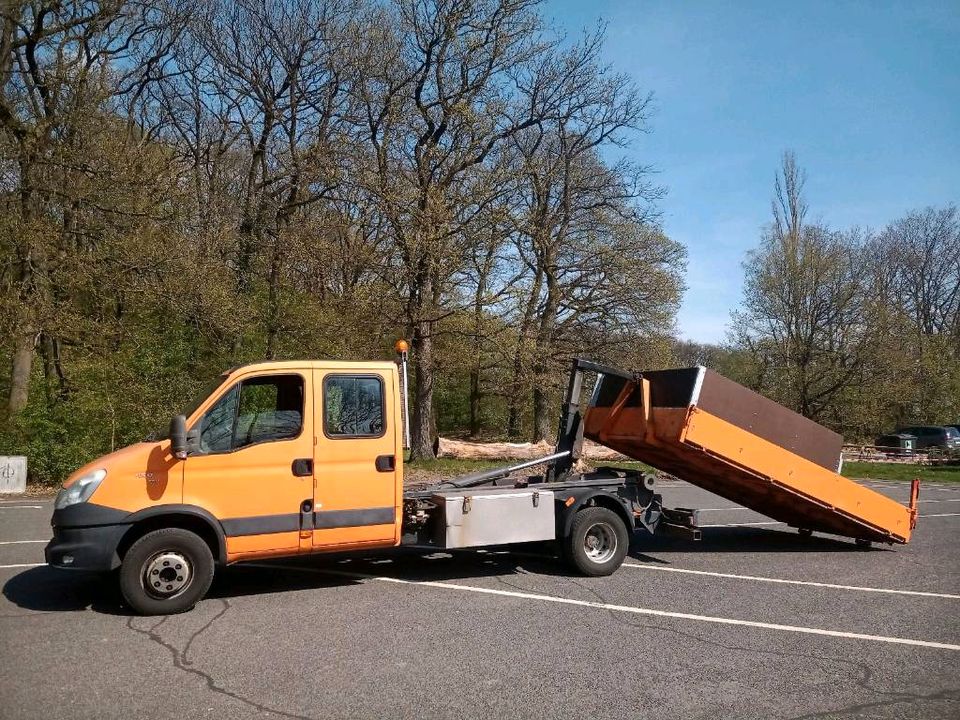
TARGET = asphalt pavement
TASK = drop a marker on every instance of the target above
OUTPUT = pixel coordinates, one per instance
(752, 621)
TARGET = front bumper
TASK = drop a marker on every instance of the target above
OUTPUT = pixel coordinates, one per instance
(85, 537)
(85, 548)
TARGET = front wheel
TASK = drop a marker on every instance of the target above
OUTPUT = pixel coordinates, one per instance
(598, 541)
(166, 571)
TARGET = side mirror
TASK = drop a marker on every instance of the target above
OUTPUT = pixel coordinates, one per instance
(178, 437)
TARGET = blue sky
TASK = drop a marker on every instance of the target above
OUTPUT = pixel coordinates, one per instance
(866, 93)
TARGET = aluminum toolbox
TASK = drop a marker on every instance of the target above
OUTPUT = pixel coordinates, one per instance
(493, 516)
(708, 430)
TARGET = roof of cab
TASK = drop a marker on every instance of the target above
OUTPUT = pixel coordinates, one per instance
(314, 365)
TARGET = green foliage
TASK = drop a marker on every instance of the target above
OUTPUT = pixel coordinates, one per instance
(858, 332)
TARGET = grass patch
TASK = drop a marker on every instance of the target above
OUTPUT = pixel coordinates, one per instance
(452, 466)
(897, 471)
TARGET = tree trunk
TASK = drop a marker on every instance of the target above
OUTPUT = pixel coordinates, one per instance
(475, 399)
(24, 343)
(477, 344)
(421, 427)
(516, 394)
(543, 415)
(543, 428)
(273, 301)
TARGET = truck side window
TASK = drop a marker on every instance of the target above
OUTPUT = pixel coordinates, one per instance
(353, 406)
(271, 408)
(216, 426)
(257, 410)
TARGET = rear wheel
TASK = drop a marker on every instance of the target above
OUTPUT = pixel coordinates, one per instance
(598, 541)
(166, 571)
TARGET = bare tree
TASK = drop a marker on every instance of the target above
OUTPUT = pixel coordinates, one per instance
(804, 300)
(568, 195)
(440, 96)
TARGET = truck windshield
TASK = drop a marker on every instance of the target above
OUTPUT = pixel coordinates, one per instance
(163, 432)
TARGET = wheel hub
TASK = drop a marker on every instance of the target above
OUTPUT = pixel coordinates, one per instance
(166, 574)
(600, 543)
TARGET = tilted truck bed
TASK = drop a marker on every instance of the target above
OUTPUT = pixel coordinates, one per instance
(703, 428)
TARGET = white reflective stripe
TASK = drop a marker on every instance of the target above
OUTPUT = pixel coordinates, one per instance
(20, 565)
(21, 507)
(21, 542)
(941, 515)
(919, 593)
(742, 524)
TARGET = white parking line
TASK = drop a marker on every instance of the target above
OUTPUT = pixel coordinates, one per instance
(21, 542)
(20, 565)
(21, 507)
(917, 593)
(638, 610)
(941, 515)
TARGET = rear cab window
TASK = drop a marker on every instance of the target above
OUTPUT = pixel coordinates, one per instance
(353, 406)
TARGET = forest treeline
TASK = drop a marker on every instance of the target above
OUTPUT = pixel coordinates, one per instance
(187, 186)
(857, 329)
(190, 186)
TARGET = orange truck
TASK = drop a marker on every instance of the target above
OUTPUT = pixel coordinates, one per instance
(288, 458)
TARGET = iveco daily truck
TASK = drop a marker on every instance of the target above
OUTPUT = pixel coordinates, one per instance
(288, 458)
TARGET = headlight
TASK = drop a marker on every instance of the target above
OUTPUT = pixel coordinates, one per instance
(81, 490)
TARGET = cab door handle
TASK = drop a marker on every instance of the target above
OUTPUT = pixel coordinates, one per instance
(386, 463)
(302, 467)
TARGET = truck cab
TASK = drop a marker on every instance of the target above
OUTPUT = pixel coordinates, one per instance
(280, 458)
(287, 458)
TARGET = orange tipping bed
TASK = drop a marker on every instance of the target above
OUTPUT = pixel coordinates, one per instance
(703, 428)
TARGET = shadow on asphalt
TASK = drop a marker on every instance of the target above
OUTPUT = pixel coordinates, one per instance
(45, 589)
(748, 540)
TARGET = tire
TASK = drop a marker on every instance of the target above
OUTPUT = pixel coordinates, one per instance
(598, 541)
(180, 566)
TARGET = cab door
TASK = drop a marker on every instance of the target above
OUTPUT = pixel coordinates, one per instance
(254, 468)
(356, 499)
